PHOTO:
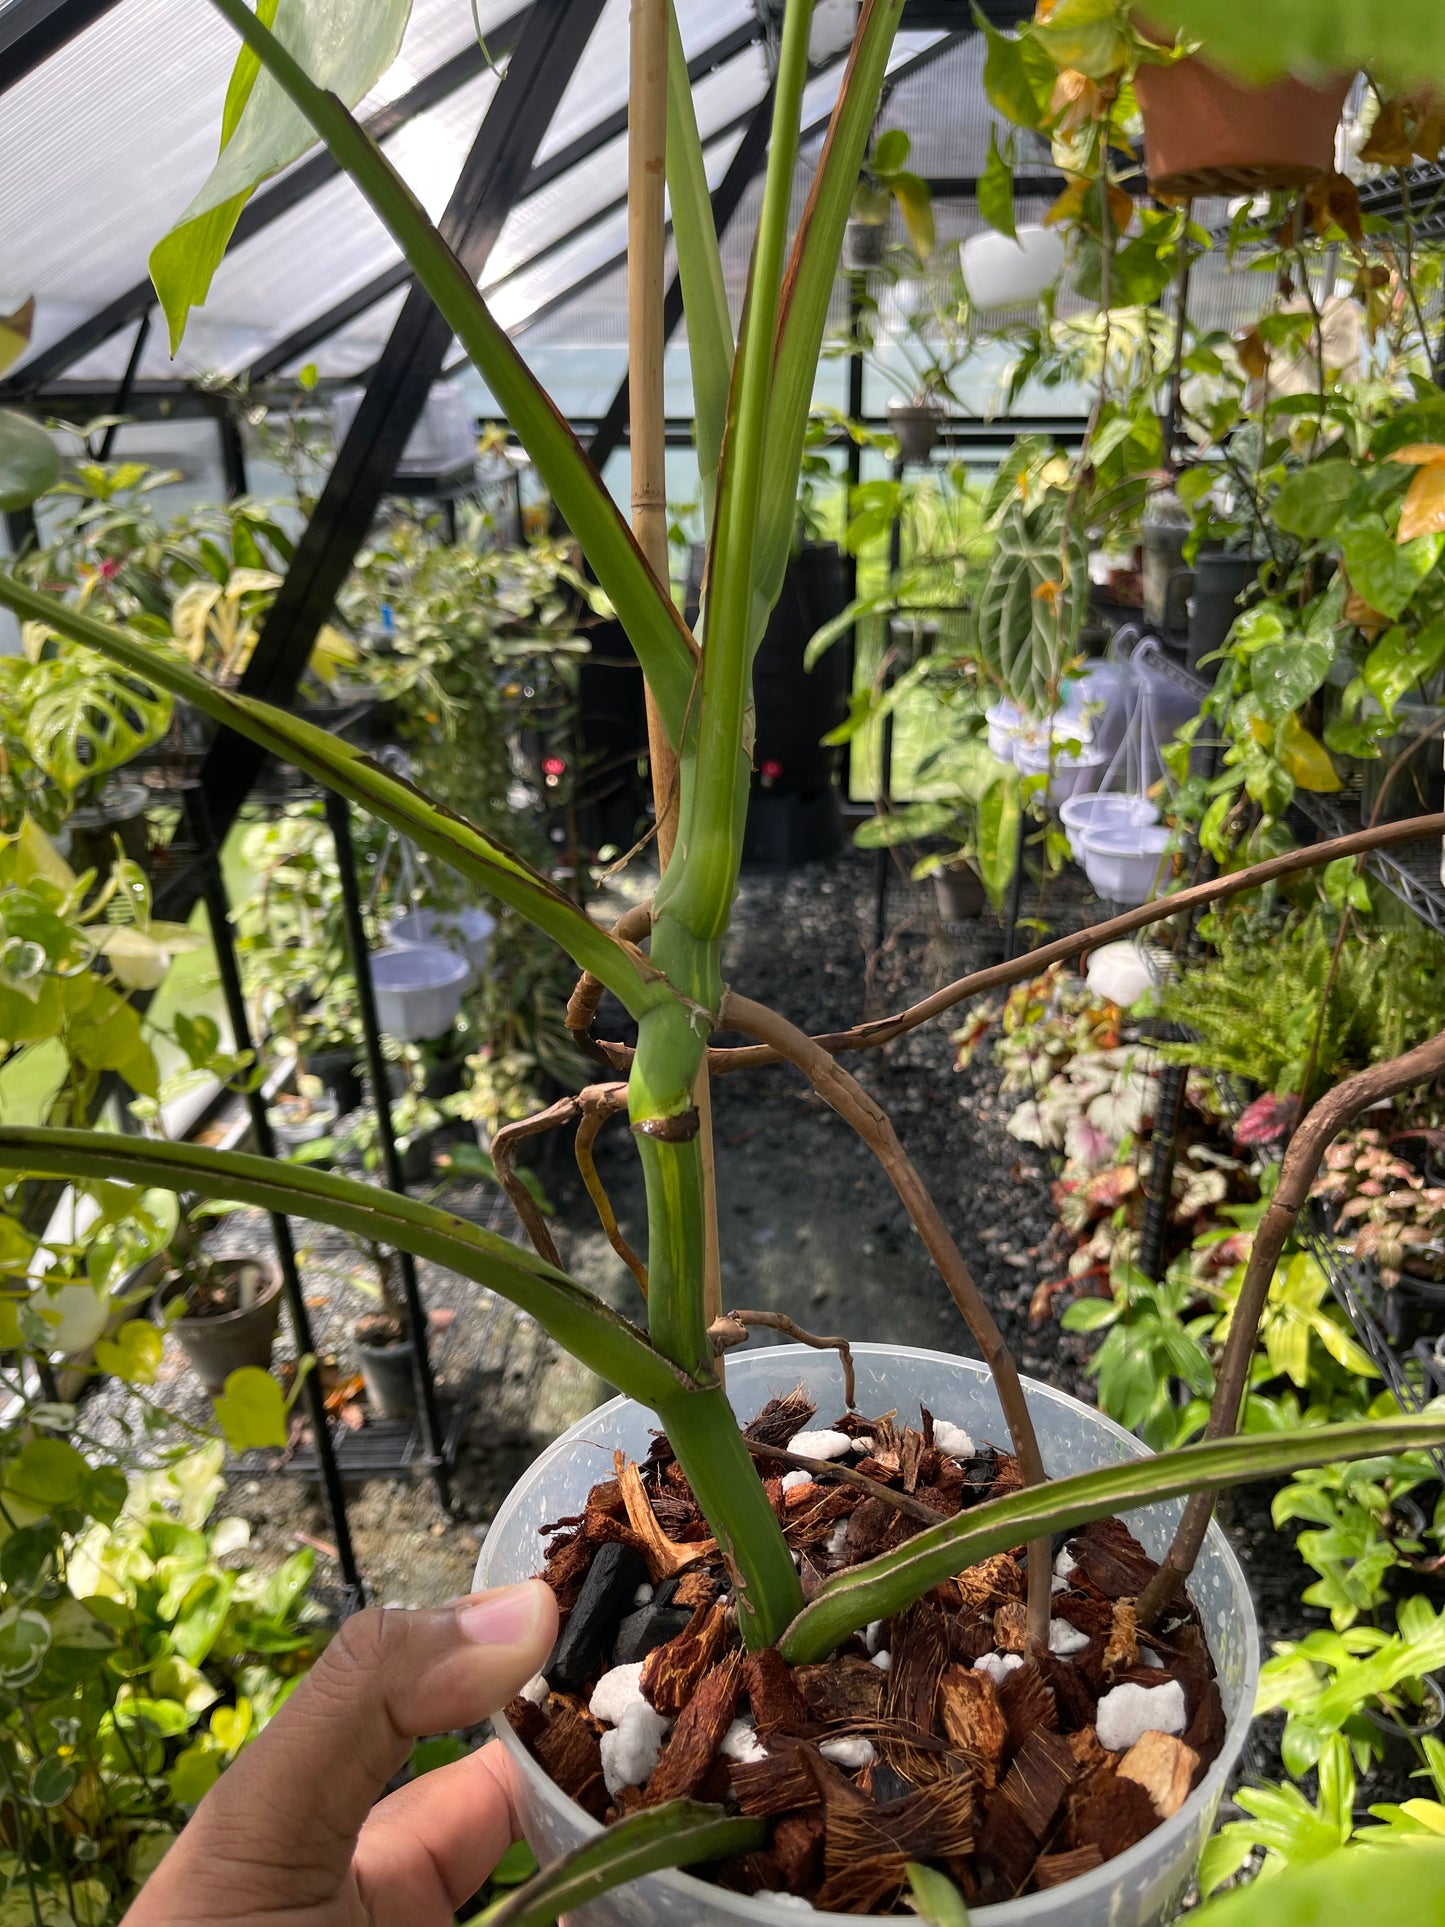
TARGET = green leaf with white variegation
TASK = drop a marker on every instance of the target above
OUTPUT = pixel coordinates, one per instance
(345, 46)
(682, 1833)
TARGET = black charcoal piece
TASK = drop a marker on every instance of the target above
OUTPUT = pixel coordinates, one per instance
(649, 1626)
(607, 1593)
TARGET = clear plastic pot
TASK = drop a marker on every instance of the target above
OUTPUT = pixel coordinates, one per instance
(1137, 1888)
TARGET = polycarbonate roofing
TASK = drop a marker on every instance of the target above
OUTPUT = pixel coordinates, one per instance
(105, 142)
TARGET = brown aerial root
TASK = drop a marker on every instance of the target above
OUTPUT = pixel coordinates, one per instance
(883, 1030)
(823, 1469)
(592, 1120)
(844, 1094)
(732, 1329)
(632, 926)
(590, 1110)
(1320, 1125)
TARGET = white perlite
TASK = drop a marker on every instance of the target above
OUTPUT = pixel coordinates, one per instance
(741, 1743)
(998, 1666)
(883, 1660)
(870, 1634)
(863, 1446)
(1126, 1713)
(795, 1478)
(536, 1690)
(1058, 1585)
(1064, 1564)
(952, 1439)
(615, 1692)
(643, 1595)
(838, 1540)
(795, 1901)
(1065, 1639)
(631, 1750)
(853, 1753)
(820, 1445)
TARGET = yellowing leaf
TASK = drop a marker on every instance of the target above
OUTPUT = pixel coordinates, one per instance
(1069, 206)
(15, 333)
(1424, 509)
(1419, 454)
(1305, 756)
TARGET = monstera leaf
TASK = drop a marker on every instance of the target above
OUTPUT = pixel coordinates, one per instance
(87, 717)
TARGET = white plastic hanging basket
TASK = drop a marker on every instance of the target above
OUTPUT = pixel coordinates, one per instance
(419, 989)
(1070, 773)
(1002, 273)
(1122, 860)
(468, 932)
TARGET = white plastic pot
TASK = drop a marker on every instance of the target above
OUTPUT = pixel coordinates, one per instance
(1136, 1889)
(419, 989)
(1080, 814)
(1000, 273)
(468, 932)
(1121, 860)
(1070, 773)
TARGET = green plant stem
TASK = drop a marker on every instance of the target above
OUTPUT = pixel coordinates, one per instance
(697, 887)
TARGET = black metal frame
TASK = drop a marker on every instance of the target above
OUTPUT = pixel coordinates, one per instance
(32, 30)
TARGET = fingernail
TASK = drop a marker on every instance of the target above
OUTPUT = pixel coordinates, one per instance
(504, 1618)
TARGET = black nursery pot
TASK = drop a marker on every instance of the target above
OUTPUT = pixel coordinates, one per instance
(339, 1076)
(222, 1344)
(959, 892)
(389, 1373)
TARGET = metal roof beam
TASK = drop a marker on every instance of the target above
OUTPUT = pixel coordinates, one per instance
(32, 30)
(264, 207)
(351, 307)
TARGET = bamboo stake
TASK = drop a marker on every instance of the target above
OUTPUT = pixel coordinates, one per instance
(646, 246)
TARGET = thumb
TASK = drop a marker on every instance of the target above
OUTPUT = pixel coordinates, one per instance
(287, 1813)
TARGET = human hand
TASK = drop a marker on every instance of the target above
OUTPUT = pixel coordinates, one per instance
(291, 1836)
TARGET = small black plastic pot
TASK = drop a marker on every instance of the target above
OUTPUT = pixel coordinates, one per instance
(916, 425)
(388, 1370)
(339, 1075)
(959, 892)
(223, 1343)
(1403, 1735)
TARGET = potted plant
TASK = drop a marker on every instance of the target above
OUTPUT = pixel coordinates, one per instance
(674, 994)
(303, 1116)
(975, 816)
(1205, 132)
(383, 1342)
(223, 1310)
(885, 179)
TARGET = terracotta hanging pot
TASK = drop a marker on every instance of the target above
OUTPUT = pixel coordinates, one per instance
(1205, 133)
